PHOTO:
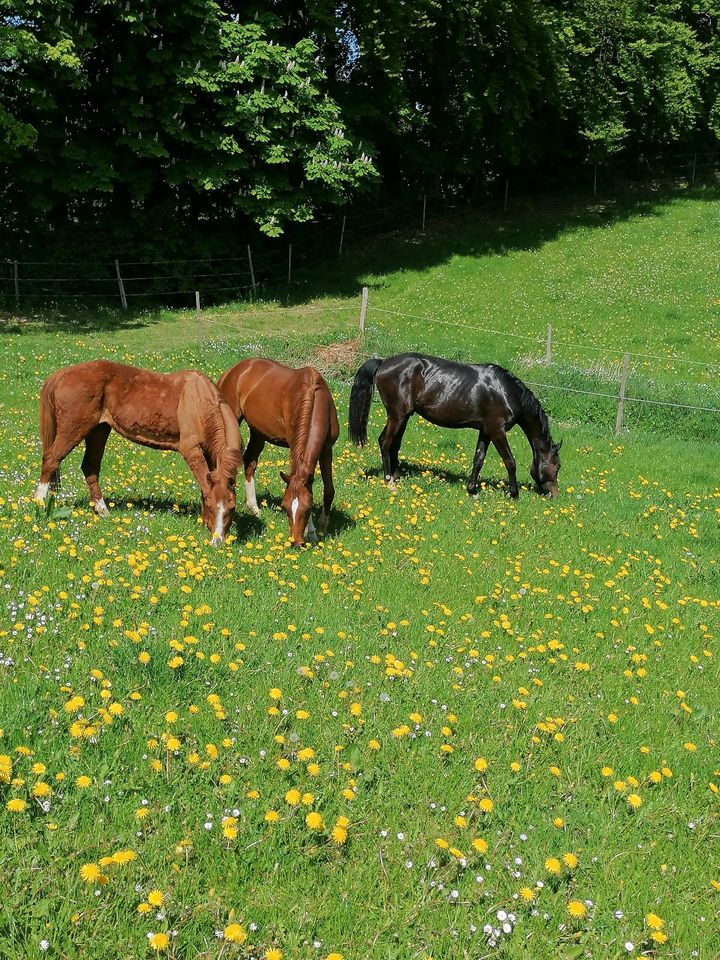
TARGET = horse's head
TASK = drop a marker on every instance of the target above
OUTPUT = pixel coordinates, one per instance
(545, 468)
(297, 504)
(218, 506)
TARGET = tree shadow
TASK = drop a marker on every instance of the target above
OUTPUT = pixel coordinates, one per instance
(464, 231)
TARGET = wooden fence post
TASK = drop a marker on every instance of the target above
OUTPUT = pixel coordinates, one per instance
(198, 320)
(17, 283)
(692, 179)
(252, 272)
(363, 308)
(548, 345)
(595, 180)
(621, 397)
(424, 212)
(289, 264)
(121, 286)
(342, 237)
(507, 189)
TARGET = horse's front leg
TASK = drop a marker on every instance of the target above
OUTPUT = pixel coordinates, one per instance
(328, 488)
(94, 449)
(478, 461)
(250, 462)
(503, 448)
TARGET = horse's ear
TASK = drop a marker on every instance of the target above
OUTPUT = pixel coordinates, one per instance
(556, 446)
(285, 477)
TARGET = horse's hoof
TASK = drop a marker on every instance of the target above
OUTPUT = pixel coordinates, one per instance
(255, 511)
(101, 508)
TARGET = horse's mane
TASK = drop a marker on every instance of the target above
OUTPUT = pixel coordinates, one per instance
(303, 419)
(221, 434)
(531, 407)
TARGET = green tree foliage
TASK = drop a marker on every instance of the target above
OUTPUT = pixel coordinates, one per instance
(188, 102)
(215, 111)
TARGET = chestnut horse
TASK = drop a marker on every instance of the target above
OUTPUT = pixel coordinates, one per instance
(481, 396)
(168, 411)
(290, 408)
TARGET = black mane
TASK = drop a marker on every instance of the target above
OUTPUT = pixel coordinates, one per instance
(531, 407)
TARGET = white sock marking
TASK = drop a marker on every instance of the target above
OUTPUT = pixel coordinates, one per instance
(41, 491)
(218, 532)
(101, 507)
(310, 532)
(250, 497)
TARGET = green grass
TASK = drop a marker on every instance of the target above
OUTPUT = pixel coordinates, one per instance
(551, 638)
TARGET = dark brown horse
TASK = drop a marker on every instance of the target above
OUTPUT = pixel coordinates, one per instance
(290, 408)
(481, 396)
(168, 411)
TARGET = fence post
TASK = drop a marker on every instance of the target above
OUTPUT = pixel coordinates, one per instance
(121, 286)
(595, 180)
(507, 189)
(17, 283)
(252, 272)
(548, 345)
(289, 263)
(692, 179)
(198, 320)
(363, 308)
(424, 211)
(621, 398)
(342, 237)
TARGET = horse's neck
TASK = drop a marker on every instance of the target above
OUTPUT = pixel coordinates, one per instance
(305, 444)
(538, 438)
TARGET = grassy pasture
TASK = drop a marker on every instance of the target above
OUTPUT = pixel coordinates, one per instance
(512, 704)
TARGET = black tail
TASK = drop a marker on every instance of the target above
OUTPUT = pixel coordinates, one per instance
(360, 397)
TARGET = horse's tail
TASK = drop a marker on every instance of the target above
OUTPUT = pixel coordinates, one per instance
(360, 397)
(48, 421)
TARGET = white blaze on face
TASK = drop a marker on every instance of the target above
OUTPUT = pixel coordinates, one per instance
(294, 508)
(41, 491)
(218, 532)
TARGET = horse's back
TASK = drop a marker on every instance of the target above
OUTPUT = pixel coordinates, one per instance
(447, 393)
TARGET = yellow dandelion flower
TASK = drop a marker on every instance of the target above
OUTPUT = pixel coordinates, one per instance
(159, 941)
(553, 865)
(156, 898)
(314, 821)
(527, 894)
(16, 805)
(570, 860)
(481, 764)
(576, 909)
(635, 801)
(654, 922)
(293, 797)
(480, 845)
(235, 933)
(90, 872)
(486, 805)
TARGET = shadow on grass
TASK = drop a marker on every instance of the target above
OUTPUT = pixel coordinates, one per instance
(527, 225)
(245, 525)
(408, 470)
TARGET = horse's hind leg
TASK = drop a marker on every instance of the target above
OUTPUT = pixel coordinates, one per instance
(395, 449)
(94, 448)
(63, 444)
(250, 462)
(388, 440)
(503, 448)
(328, 488)
(478, 461)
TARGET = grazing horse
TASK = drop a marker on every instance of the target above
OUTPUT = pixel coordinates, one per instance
(481, 396)
(290, 408)
(168, 411)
